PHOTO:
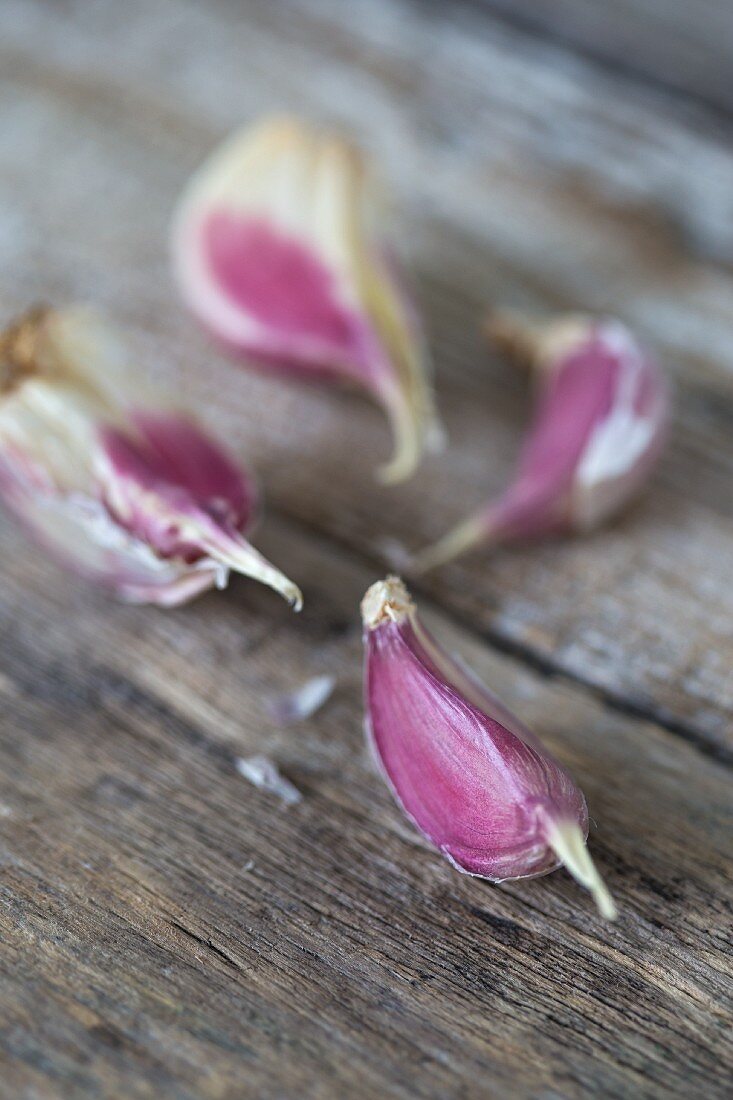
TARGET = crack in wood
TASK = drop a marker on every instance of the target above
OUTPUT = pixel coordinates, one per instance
(207, 943)
(646, 712)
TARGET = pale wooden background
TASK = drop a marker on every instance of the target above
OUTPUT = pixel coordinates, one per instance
(169, 931)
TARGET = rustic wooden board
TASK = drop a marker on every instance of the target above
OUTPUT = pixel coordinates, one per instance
(144, 956)
(511, 200)
(679, 46)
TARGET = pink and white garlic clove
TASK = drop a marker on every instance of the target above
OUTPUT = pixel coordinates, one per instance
(598, 428)
(117, 487)
(278, 249)
(466, 772)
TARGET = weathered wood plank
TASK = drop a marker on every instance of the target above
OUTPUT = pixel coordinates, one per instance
(681, 46)
(520, 181)
(167, 929)
(144, 954)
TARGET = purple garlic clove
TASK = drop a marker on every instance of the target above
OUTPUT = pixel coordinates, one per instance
(478, 784)
(276, 250)
(598, 428)
(121, 490)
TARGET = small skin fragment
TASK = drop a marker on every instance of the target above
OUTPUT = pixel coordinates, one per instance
(263, 773)
(118, 487)
(303, 703)
(476, 782)
(277, 249)
(599, 425)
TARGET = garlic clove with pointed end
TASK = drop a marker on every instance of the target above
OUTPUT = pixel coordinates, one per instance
(466, 772)
(118, 487)
(277, 248)
(598, 428)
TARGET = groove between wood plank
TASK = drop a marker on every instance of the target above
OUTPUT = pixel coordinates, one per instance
(531, 658)
(349, 937)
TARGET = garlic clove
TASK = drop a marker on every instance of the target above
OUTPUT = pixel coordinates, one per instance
(598, 428)
(277, 251)
(176, 490)
(121, 490)
(472, 779)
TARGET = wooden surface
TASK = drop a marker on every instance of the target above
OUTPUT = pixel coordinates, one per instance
(675, 45)
(169, 931)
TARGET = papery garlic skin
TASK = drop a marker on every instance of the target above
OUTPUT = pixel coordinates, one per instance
(598, 429)
(276, 248)
(473, 780)
(117, 487)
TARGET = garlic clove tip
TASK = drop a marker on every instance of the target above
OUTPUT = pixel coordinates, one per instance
(569, 845)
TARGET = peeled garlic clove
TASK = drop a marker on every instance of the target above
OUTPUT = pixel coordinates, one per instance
(478, 784)
(277, 251)
(120, 489)
(598, 428)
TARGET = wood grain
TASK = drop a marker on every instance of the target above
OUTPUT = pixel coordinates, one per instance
(498, 211)
(348, 957)
(679, 46)
(167, 929)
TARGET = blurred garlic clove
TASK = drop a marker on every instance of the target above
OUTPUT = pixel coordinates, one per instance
(466, 772)
(118, 488)
(278, 250)
(598, 428)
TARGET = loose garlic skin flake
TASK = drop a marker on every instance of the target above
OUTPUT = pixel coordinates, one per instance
(278, 250)
(467, 773)
(119, 488)
(599, 425)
